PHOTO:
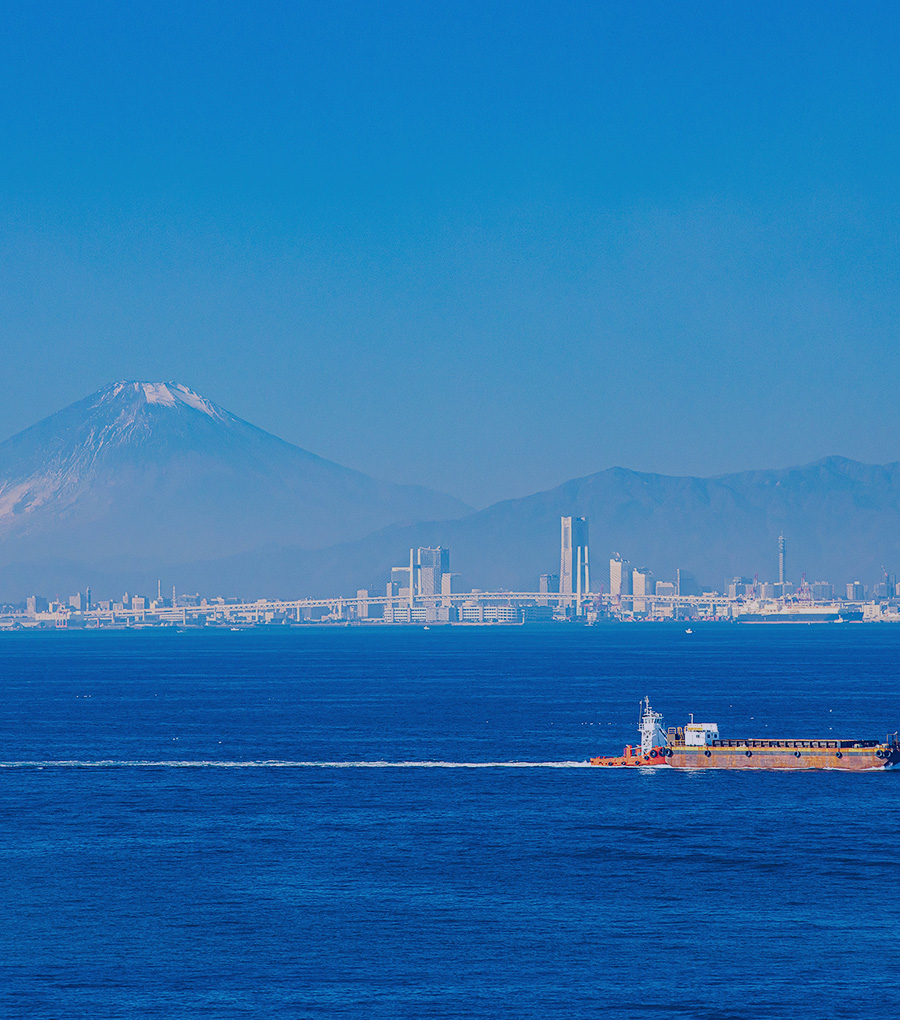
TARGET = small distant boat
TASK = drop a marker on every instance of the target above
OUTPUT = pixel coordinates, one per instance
(689, 631)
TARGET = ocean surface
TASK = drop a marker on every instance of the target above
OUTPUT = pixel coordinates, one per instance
(399, 823)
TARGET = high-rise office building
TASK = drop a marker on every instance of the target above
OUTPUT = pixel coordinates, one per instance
(619, 576)
(641, 584)
(738, 587)
(547, 584)
(574, 575)
(686, 583)
(431, 565)
(400, 580)
(781, 560)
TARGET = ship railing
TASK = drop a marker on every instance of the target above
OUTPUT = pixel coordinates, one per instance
(793, 744)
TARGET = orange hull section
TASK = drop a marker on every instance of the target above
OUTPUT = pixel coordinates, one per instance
(632, 758)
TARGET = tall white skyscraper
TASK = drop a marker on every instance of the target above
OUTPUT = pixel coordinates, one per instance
(574, 569)
(619, 576)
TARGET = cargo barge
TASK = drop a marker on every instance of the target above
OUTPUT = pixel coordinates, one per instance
(699, 746)
(773, 611)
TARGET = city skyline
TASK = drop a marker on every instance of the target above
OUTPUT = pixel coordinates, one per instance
(422, 592)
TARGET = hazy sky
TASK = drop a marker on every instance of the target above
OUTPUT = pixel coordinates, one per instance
(482, 246)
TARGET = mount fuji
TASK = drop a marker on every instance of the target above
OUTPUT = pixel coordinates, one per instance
(141, 474)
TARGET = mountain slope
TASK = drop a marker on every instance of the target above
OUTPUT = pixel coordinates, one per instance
(153, 472)
(841, 520)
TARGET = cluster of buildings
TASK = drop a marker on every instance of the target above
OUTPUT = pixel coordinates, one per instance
(421, 591)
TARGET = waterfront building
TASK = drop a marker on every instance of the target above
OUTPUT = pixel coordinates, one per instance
(781, 561)
(478, 613)
(405, 613)
(856, 592)
(537, 614)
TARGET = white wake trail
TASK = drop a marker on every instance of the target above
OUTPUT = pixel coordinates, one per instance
(280, 764)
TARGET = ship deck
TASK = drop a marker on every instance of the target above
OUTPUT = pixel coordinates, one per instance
(778, 743)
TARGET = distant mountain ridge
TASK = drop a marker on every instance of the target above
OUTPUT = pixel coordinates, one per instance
(150, 480)
(154, 472)
(840, 518)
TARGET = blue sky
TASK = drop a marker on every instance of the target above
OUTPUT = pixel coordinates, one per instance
(482, 246)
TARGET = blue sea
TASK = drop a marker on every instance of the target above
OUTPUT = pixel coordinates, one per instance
(398, 823)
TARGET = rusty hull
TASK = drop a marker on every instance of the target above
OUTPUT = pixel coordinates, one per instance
(853, 759)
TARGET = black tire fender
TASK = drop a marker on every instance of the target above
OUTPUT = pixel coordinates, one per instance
(708, 754)
(749, 754)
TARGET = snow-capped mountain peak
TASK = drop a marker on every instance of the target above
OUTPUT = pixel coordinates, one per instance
(167, 394)
(155, 470)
